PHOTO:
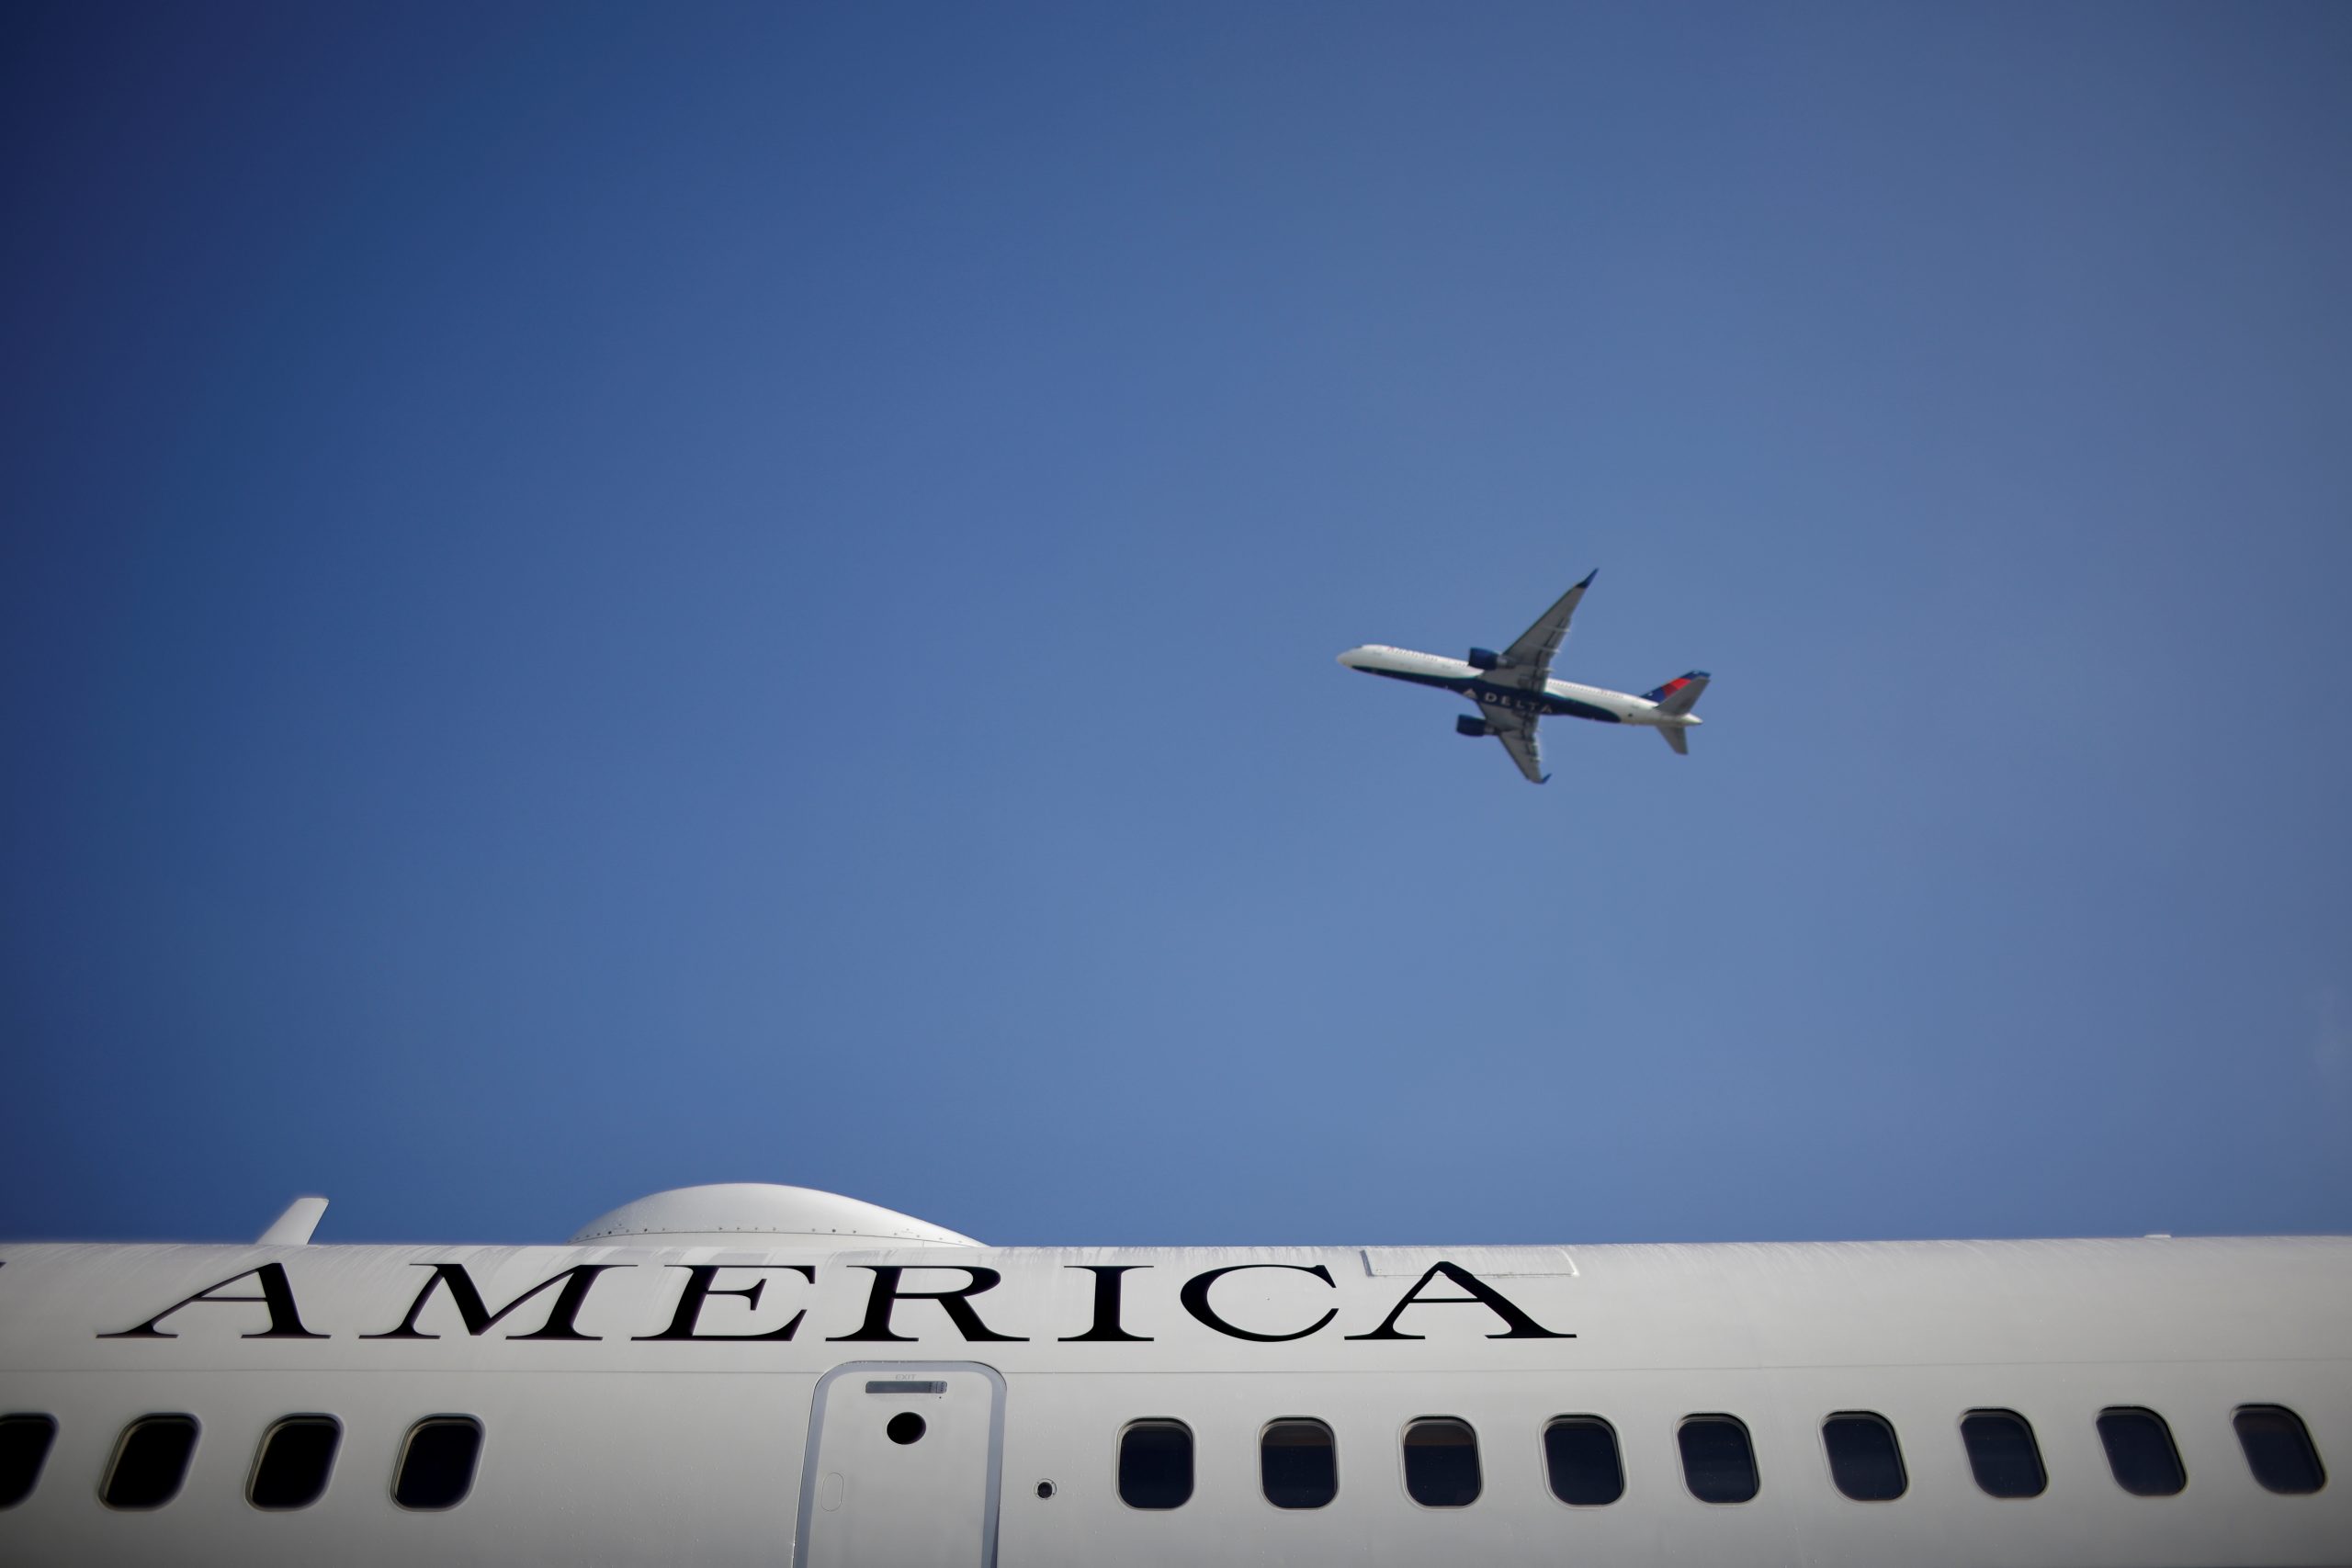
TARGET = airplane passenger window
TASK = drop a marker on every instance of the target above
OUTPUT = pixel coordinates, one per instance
(436, 1467)
(1156, 1465)
(150, 1463)
(1718, 1465)
(1865, 1461)
(1441, 1462)
(1297, 1465)
(296, 1458)
(2140, 1452)
(2002, 1454)
(1580, 1459)
(23, 1445)
(2277, 1450)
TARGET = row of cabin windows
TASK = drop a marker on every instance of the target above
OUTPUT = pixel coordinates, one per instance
(1298, 1459)
(290, 1470)
(1299, 1468)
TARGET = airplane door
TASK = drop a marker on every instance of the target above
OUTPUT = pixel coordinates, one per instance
(904, 1463)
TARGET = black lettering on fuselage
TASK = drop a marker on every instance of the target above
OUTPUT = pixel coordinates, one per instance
(1196, 1297)
(478, 1319)
(1108, 1277)
(699, 1290)
(955, 1304)
(276, 1294)
(273, 1290)
(1518, 1324)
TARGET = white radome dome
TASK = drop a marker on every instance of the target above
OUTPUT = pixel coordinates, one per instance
(735, 1214)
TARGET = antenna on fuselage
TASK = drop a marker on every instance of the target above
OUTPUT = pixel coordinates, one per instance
(293, 1227)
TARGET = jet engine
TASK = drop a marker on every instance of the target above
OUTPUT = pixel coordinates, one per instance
(1484, 658)
(1471, 724)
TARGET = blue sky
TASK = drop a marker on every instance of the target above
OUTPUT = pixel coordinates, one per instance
(597, 598)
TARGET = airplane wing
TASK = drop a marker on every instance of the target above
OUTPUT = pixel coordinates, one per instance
(1517, 732)
(1527, 664)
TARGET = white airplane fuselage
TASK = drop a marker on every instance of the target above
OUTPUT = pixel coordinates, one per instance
(1565, 699)
(723, 1392)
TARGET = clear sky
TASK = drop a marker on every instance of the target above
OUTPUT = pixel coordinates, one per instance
(596, 598)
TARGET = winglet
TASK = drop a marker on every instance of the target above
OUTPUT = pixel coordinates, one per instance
(293, 1227)
(1589, 577)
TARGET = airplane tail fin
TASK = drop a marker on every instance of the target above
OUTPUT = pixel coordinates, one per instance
(1680, 694)
(1678, 738)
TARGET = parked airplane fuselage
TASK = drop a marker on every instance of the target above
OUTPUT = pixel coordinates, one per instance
(836, 1402)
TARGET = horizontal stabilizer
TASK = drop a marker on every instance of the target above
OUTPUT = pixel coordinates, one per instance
(1680, 694)
(1678, 738)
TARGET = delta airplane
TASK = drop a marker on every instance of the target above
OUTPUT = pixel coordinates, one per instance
(750, 1374)
(1514, 688)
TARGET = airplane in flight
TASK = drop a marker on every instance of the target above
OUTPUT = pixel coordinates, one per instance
(1514, 689)
(757, 1374)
